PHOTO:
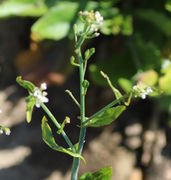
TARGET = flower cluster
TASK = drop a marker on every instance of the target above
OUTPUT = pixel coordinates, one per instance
(94, 19)
(40, 95)
(5, 130)
(141, 90)
(91, 17)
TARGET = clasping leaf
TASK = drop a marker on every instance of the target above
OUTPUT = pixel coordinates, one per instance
(50, 141)
(106, 117)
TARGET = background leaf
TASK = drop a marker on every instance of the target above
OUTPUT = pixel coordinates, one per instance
(22, 8)
(58, 22)
(158, 19)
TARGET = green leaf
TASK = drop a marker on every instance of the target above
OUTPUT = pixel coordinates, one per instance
(125, 84)
(29, 108)
(114, 65)
(106, 117)
(165, 83)
(57, 23)
(148, 53)
(25, 84)
(50, 141)
(159, 19)
(31, 8)
(103, 174)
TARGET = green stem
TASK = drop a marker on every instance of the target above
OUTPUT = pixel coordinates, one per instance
(76, 161)
(51, 116)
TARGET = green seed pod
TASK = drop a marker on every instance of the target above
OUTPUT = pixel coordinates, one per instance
(85, 84)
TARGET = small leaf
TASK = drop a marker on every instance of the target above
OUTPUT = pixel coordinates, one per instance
(106, 117)
(50, 141)
(25, 84)
(103, 174)
(29, 108)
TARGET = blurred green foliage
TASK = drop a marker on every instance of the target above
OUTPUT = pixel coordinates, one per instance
(140, 33)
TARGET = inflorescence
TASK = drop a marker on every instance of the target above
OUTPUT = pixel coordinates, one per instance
(40, 95)
(141, 90)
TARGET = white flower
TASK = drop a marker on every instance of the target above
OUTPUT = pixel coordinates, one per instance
(0, 111)
(98, 18)
(40, 95)
(7, 131)
(165, 64)
(1, 131)
(141, 90)
(43, 86)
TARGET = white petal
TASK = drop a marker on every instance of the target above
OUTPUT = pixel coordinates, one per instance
(7, 132)
(43, 86)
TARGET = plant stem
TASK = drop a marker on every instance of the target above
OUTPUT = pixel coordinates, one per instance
(76, 161)
(51, 116)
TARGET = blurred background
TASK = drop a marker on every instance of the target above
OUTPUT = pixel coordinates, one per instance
(36, 42)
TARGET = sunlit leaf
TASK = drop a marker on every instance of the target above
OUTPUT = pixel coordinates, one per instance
(50, 141)
(57, 23)
(106, 117)
(125, 84)
(103, 174)
(165, 83)
(22, 8)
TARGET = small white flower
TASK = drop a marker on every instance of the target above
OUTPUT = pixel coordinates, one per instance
(149, 90)
(40, 95)
(43, 86)
(165, 64)
(141, 90)
(1, 131)
(0, 111)
(7, 131)
(98, 17)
